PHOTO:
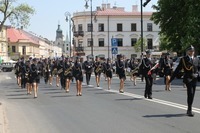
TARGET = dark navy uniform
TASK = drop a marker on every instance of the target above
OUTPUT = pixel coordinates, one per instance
(34, 74)
(108, 69)
(145, 67)
(77, 71)
(88, 67)
(68, 70)
(23, 71)
(98, 67)
(190, 77)
(120, 69)
(61, 73)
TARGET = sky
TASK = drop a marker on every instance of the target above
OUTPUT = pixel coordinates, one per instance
(50, 13)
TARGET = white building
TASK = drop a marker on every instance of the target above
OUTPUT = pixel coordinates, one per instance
(111, 23)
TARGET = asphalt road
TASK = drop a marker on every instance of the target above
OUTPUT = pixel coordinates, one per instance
(99, 110)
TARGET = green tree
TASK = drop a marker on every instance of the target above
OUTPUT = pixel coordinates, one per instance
(18, 14)
(179, 21)
(137, 46)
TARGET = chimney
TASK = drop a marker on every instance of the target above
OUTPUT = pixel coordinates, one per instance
(104, 6)
(108, 6)
(134, 8)
(98, 8)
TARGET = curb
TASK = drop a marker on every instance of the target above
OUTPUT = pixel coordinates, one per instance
(2, 129)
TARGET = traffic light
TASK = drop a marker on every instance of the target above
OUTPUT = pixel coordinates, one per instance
(145, 3)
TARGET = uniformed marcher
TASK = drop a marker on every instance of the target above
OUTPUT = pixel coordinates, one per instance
(88, 67)
(23, 71)
(190, 76)
(27, 76)
(68, 69)
(120, 70)
(133, 69)
(78, 75)
(61, 73)
(167, 69)
(34, 78)
(17, 72)
(145, 67)
(108, 71)
(97, 70)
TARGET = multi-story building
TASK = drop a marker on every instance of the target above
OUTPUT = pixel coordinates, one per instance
(27, 44)
(3, 45)
(116, 23)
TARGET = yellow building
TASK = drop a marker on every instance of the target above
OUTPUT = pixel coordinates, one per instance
(19, 44)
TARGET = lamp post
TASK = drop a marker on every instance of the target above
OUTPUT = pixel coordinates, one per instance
(68, 19)
(86, 6)
(142, 5)
(141, 25)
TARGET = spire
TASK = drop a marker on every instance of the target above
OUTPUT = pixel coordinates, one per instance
(59, 33)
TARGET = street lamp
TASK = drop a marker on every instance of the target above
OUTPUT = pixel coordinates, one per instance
(86, 6)
(142, 5)
(68, 19)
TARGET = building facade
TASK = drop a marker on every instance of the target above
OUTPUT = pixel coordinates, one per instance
(3, 45)
(115, 23)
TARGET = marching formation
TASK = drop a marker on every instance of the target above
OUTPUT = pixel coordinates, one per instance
(65, 70)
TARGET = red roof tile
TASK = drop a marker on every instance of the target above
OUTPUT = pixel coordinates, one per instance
(15, 35)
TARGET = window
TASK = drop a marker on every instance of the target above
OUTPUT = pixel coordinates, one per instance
(24, 50)
(80, 42)
(150, 43)
(80, 27)
(101, 42)
(101, 27)
(13, 49)
(133, 41)
(2, 50)
(119, 27)
(120, 42)
(149, 27)
(89, 42)
(133, 27)
(89, 27)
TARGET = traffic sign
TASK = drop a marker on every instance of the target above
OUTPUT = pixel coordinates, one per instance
(114, 42)
(115, 50)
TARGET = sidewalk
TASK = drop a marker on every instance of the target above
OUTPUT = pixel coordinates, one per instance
(2, 124)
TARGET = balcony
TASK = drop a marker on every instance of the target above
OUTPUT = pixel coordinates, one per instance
(80, 51)
(78, 33)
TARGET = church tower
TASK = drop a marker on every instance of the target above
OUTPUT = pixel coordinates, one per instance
(59, 34)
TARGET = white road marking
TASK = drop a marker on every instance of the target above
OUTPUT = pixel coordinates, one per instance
(8, 78)
(171, 104)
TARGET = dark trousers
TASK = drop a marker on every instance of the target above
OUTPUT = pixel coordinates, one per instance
(88, 76)
(148, 87)
(191, 88)
(62, 81)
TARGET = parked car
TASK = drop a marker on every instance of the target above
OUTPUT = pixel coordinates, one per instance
(6, 66)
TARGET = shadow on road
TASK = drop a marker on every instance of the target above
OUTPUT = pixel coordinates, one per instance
(128, 99)
(16, 94)
(21, 98)
(63, 96)
(165, 115)
(105, 93)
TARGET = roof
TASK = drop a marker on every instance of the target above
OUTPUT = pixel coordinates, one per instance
(118, 12)
(16, 35)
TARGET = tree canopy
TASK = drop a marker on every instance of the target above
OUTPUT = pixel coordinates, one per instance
(179, 21)
(18, 14)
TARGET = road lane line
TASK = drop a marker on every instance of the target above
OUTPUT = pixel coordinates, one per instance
(163, 102)
(8, 78)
